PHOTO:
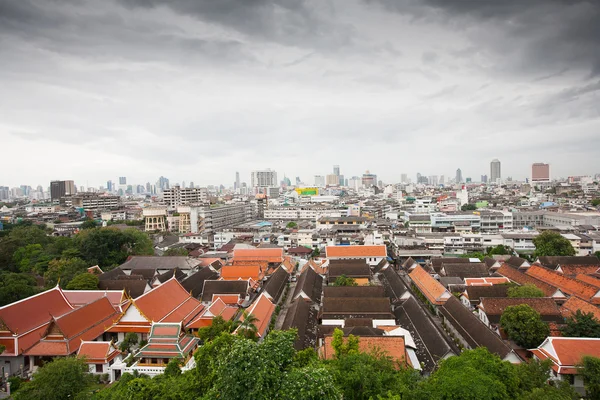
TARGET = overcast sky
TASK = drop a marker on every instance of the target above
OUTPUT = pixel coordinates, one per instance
(197, 89)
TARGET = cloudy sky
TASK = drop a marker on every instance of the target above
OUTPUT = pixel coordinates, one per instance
(198, 89)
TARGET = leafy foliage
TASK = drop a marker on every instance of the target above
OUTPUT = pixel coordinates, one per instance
(291, 225)
(468, 207)
(343, 347)
(14, 287)
(524, 325)
(525, 291)
(218, 326)
(84, 281)
(130, 340)
(64, 270)
(582, 325)
(590, 371)
(343, 280)
(550, 243)
(176, 252)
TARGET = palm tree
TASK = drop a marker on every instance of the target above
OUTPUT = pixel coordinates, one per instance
(247, 327)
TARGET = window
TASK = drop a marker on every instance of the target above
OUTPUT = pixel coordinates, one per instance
(99, 368)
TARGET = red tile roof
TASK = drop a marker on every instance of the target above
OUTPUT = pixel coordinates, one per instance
(566, 285)
(393, 346)
(572, 270)
(522, 279)
(243, 272)
(167, 340)
(262, 308)
(571, 306)
(268, 255)
(355, 251)
(79, 298)
(165, 299)
(589, 280)
(565, 353)
(435, 292)
(97, 352)
(546, 306)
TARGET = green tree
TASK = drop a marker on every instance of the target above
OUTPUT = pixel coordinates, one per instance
(109, 247)
(524, 325)
(218, 326)
(84, 281)
(316, 252)
(343, 280)
(343, 347)
(88, 224)
(14, 287)
(499, 250)
(525, 291)
(130, 340)
(64, 269)
(291, 225)
(550, 243)
(2, 348)
(173, 368)
(313, 382)
(247, 327)
(589, 369)
(468, 207)
(209, 356)
(176, 252)
(63, 378)
(595, 202)
(31, 258)
(582, 324)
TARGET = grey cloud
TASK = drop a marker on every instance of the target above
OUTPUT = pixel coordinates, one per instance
(429, 57)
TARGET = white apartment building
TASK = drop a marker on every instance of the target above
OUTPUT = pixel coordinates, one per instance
(178, 196)
(447, 221)
(493, 221)
(301, 213)
(520, 242)
(263, 179)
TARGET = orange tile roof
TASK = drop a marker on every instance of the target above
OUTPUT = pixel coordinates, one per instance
(243, 272)
(574, 303)
(589, 280)
(97, 352)
(355, 251)
(565, 353)
(78, 298)
(578, 269)
(269, 255)
(227, 298)
(486, 281)
(435, 292)
(262, 308)
(522, 279)
(567, 285)
(393, 346)
(163, 300)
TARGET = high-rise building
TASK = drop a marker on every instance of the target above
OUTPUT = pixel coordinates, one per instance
(336, 170)
(319, 181)
(433, 180)
(341, 180)
(484, 178)
(263, 179)
(333, 180)
(177, 196)
(495, 173)
(369, 179)
(4, 192)
(442, 180)
(540, 172)
(459, 177)
(60, 189)
(109, 186)
(236, 185)
(403, 178)
(162, 183)
(122, 180)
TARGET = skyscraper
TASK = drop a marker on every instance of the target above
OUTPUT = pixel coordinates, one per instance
(540, 172)
(459, 177)
(319, 181)
(403, 178)
(264, 178)
(484, 178)
(336, 170)
(236, 186)
(495, 173)
(122, 180)
(369, 179)
(109, 186)
(60, 189)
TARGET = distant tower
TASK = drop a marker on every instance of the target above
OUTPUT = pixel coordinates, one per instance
(459, 178)
(336, 170)
(495, 173)
(237, 181)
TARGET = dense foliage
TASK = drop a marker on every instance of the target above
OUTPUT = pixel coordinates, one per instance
(525, 291)
(550, 243)
(343, 280)
(231, 367)
(28, 253)
(582, 325)
(524, 325)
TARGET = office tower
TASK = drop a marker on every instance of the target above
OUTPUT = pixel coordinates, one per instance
(162, 183)
(341, 180)
(109, 186)
(4, 192)
(433, 180)
(403, 178)
(122, 180)
(540, 172)
(369, 179)
(495, 173)
(333, 180)
(236, 185)
(336, 170)
(459, 178)
(319, 181)
(191, 184)
(183, 184)
(418, 177)
(442, 180)
(263, 179)
(60, 189)
(298, 181)
(484, 178)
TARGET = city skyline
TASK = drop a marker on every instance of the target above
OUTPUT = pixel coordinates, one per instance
(196, 91)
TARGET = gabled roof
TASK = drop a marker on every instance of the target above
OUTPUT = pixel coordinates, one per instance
(490, 262)
(395, 287)
(517, 262)
(545, 306)
(408, 263)
(309, 285)
(167, 340)
(27, 314)
(268, 255)
(571, 306)
(212, 287)
(351, 268)
(97, 352)
(262, 308)
(487, 281)
(552, 262)
(472, 330)
(168, 300)
(176, 272)
(218, 308)
(276, 284)
(243, 272)
(195, 282)
(470, 270)
(435, 292)
(523, 279)
(565, 352)
(133, 287)
(353, 291)
(355, 251)
(393, 346)
(299, 250)
(356, 307)
(159, 262)
(572, 270)
(79, 298)
(589, 280)
(567, 285)
(474, 293)
(301, 317)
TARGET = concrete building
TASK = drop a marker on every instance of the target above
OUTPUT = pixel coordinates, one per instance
(495, 171)
(496, 221)
(92, 201)
(177, 196)
(369, 179)
(263, 179)
(59, 189)
(155, 218)
(333, 180)
(319, 181)
(459, 177)
(540, 172)
(212, 219)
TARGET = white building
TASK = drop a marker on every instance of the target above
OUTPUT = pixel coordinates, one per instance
(263, 179)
